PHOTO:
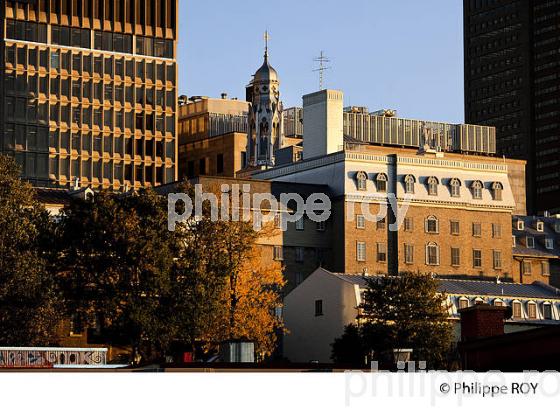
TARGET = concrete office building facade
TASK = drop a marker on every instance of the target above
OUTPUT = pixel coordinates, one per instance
(89, 91)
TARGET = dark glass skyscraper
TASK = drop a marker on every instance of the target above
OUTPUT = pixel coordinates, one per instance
(512, 82)
(88, 91)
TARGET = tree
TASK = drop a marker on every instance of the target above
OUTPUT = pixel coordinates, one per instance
(117, 260)
(406, 311)
(228, 289)
(29, 300)
(349, 349)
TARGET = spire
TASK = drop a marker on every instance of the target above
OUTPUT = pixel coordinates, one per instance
(266, 38)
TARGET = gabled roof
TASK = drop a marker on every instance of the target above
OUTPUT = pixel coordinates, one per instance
(537, 290)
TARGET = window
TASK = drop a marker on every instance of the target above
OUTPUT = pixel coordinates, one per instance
(455, 187)
(408, 253)
(299, 278)
(477, 258)
(409, 184)
(381, 252)
(319, 307)
(463, 303)
(432, 254)
(455, 256)
(476, 187)
(545, 268)
(320, 226)
(530, 242)
(516, 310)
(277, 220)
(496, 230)
(300, 224)
(476, 229)
(540, 226)
(432, 225)
(360, 251)
(360, 222)
(497, 259)
(432, 186)
(513, 241)
(532, 310)
(278, 253)
(381, 182)
(454, 228)
(497, 189)
(498, 302)
(549, 243)
(381, 224)
(361, 179)
(547, 311)
(520, 225)
(557, 227)
(220, 163)
(408, 224)
(300, 254)
(526, 267)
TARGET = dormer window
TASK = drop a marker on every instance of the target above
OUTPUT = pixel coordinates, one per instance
(557, 227)
(497, 189)
(516, 307)
(463, 303)
(361, 180)
(532, 310)
(514, 241)
(455, 186)
(476, 187)
(381, 182)
(547, 311)
(530, 242)
(409, 181)
(520, 225)
(540, 226)
(432, 185)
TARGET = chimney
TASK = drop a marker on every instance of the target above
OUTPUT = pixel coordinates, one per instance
(224, 96)
(323, 126)
(483, 320)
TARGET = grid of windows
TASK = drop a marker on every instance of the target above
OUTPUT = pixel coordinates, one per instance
(79, 96)
(74, 111)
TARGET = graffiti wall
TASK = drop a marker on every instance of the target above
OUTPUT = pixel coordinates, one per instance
(48, 357)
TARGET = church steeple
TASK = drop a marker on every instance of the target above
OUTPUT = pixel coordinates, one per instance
(265, 114)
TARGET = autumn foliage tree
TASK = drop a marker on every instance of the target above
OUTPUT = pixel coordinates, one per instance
(223, 268)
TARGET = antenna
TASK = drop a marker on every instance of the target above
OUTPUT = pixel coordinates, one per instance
(322, 59)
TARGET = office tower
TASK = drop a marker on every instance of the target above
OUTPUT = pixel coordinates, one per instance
(88, 91)
(512, 59)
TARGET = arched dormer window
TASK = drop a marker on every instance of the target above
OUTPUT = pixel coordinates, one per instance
(381, 182)
(476, 188)
(409, 182)
(361, 180)
(432, 224)
(455, 187)
(432, 185)
(497, 189)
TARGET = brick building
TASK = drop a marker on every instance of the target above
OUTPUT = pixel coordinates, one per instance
(458, 219)
(536, 251)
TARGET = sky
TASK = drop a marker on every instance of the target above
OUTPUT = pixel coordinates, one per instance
(399, 54)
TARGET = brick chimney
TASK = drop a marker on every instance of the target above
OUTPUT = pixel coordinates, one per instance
(483, 320)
